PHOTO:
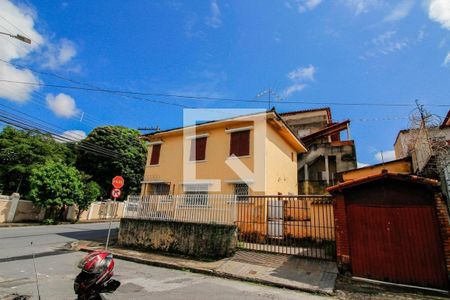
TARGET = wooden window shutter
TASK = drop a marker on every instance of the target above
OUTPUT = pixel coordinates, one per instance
(200, 149)
(240, 143)
(156, 149)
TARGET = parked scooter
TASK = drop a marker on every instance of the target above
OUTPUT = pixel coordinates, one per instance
(95, 276)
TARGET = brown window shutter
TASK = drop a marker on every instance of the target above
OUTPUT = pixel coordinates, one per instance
(156, 149)
(200, 149)
(240, 143)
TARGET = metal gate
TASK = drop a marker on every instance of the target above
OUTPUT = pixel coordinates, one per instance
(396, 243)
(296, 225)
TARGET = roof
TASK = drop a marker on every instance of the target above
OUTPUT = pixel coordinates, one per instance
(327, 131)
(446, 122)
(326, 109)
(383, 175)
(406, 159)
(275, 116)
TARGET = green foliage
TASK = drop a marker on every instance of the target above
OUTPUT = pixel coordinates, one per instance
(49, 221)
(55, 185)
(91, 193)
(130, 164)
(21, 151)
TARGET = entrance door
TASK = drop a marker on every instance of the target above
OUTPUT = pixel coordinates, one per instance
(396, 244)
(275, 218)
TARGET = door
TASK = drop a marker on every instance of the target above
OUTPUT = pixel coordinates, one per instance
(396, 244)
(275, 218)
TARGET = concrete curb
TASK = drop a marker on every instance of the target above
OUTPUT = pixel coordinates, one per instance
(210, 272)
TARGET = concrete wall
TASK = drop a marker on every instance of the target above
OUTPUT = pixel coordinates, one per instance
(197, 240)
(14, 209)
(5, 206)
(27, 211)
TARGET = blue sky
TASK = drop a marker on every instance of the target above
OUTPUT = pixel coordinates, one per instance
(312, 51)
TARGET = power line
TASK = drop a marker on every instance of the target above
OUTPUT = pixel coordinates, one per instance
(43, 126)
(131, 94)
(91, 87)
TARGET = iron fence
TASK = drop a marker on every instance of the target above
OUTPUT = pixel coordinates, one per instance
(294, 225)
(195, 208)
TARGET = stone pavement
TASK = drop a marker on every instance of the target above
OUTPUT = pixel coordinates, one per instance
(285, 271)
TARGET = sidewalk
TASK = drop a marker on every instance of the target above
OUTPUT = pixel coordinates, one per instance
(271, 269)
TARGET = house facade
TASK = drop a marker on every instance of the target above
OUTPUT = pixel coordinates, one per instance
(261, 146)
(429, 149)
(328, 153)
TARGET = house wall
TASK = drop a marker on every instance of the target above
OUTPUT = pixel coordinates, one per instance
(307, 122)
(280, 169)
(403, 166)
(281, 165)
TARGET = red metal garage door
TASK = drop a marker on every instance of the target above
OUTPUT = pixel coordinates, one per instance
(396, 244)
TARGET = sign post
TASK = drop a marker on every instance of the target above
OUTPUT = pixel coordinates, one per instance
(117, 183)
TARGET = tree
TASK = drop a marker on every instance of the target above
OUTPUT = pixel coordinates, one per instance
(21, 151)
(55, 186)
(130, 162)
(91, 191)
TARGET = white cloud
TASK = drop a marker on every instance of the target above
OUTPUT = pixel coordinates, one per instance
(62, 105)
(361, 165)
(385, 156)
(70, 136)
(17, 20)
(299, 77)
(447, 60)
(74, 135)
(214, 19)
(21, 19)
(400, 11)
(439, 11)
(362, 6)
(302, 73)
(303, 5)
(57, 55)
(386, 43)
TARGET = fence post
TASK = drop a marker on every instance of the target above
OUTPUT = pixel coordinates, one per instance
(89, 216)
(14, 198)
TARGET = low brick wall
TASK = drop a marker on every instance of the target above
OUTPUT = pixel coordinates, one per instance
(192, 239)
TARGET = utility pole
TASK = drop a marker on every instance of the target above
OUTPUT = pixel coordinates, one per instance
(17, 37)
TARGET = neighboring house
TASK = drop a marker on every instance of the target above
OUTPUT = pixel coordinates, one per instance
(429, 150)
(399, 166)
(327, 153)
(215, 143)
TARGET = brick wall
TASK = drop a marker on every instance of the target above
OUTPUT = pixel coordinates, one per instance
(341, 233)
(443, 218)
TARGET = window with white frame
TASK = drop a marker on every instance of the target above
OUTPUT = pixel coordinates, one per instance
(196, 194)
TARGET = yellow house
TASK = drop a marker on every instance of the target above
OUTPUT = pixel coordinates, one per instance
(246, 155)
(399, 166)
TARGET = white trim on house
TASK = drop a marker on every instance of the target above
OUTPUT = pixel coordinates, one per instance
(198, 182)
(238, 129)
(154, 181)
(197, 136)
(237, 181)
(154, 143)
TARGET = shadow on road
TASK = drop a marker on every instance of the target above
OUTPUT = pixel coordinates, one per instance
(90, 235)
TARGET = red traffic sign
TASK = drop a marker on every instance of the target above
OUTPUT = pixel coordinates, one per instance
(118, 182)
(115, 193)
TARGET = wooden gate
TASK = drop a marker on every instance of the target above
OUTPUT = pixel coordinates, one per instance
(396, 243)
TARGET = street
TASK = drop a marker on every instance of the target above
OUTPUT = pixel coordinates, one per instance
(56, 270)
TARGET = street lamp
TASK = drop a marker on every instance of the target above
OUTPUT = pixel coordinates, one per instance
(18, 37)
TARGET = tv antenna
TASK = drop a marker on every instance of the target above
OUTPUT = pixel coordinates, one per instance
(271, 94)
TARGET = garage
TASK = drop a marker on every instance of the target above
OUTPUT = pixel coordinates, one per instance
(392, 228)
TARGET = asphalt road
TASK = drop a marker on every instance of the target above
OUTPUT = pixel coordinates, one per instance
(56, 270)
